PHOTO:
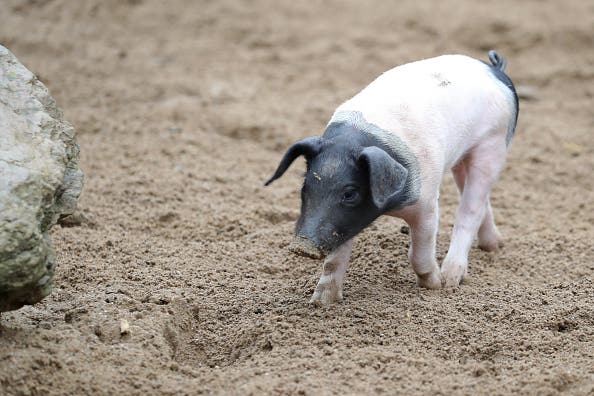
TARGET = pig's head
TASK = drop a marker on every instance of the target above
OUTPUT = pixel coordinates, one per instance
(347, 185)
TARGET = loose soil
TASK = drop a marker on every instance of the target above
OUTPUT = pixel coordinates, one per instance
(183, 109)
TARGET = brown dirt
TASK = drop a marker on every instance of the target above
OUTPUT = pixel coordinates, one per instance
(183, 109)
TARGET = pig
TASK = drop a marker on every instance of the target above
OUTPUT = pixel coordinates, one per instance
(385, 152)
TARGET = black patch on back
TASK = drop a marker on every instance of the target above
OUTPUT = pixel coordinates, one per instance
(501, 76)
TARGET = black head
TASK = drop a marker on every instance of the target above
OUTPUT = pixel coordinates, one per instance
(347, 185)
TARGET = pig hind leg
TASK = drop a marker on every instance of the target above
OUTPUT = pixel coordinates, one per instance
(475, 177)
(489, 238)
(329, 287)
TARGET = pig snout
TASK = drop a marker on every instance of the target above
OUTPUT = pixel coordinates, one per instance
(302, 246)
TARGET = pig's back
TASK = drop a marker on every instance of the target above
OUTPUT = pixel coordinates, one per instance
(443, 105)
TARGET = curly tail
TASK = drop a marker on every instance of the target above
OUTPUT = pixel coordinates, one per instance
(497, 60)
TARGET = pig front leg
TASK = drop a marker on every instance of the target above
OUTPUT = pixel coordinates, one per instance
(421, 254)
(329, 288)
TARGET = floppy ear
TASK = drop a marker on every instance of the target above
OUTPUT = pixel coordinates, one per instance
(387, 177)
(309, 147)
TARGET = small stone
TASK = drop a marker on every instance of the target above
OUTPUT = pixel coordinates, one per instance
(124, 327)
(573, 149)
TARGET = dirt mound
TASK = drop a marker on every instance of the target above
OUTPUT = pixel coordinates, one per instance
(183, 109)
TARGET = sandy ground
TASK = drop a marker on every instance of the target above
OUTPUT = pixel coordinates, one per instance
(183, 109)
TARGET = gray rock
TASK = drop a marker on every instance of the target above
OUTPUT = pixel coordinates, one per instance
(39, 182)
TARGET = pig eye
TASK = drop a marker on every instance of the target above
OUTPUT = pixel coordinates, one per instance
(350, 197)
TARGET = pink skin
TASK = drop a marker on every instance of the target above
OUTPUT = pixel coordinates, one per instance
(461, 123)
(423, 220)
(489, 238)
(329, 288)
(478, 171)
(475, 174)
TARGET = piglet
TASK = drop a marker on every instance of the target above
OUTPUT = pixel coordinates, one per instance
(385, 152)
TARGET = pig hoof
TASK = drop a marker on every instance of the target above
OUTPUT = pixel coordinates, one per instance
(490, 246)
(491, 242)
(430, 280)
(320, 302)
(325, 299)
(326, 294)
(452, 275)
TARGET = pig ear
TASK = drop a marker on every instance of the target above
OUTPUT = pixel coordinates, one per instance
(309, 147)
(387, 177)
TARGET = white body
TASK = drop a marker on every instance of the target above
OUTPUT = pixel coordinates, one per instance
(454, 114)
